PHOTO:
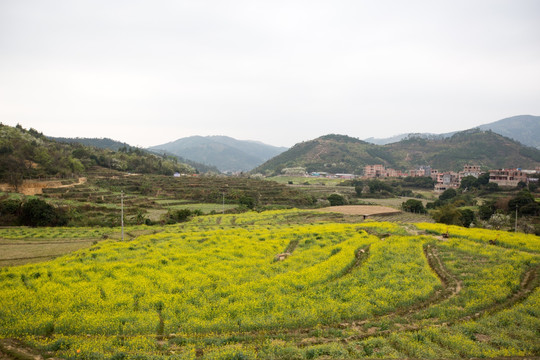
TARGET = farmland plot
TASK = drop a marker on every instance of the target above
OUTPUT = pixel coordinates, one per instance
(262, 286)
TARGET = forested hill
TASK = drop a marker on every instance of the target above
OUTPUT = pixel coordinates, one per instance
(106, 143)
(343, 154)
(102, 143)
(30, 154)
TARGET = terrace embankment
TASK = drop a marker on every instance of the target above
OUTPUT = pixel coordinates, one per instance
(35, 187)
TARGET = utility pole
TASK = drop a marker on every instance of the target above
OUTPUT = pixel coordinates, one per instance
(515, 226)
(223, 204)
(122, 213)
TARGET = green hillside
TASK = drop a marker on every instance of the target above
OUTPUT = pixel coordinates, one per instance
(110, 144)
(485, 148)
(343, 154)
(30, 154)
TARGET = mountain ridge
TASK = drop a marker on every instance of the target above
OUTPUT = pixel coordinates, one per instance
(110, 144)
(226, 153)
(522, 128)
(342, 154)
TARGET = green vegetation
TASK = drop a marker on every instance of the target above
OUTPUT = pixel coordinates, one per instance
(342, 154)
(213, 288)
(414, 206)
(460, 207)
(29, 154)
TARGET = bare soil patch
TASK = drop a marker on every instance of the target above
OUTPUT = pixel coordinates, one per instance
(363, 210)
(35, 187)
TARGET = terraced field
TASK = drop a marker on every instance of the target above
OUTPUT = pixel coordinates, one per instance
(151, 196)
(277, 285)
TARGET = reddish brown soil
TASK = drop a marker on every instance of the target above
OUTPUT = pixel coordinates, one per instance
(365, 210)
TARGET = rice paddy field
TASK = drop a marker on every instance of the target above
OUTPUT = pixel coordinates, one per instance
(283, 284)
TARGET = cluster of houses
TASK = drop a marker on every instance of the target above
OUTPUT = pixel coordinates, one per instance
(443, 180)
(451, 179)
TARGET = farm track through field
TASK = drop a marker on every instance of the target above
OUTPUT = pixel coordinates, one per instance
(12, 349)
(403, 319)
(528, 284)
(41, 242)
(451, 287)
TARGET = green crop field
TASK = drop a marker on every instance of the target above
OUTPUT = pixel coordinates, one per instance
(283, 284)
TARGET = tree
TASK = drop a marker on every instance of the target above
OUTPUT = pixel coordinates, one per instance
(414, 206)
(36, 212)
(467, 217)
(176, 216)
(448, 214)
(448, 194)
(336, 200)
(523, 200)
(424, 182)
(469, 183)
(525, 203)
(486, 210)
(376, 186)
(483, 179)
(247, 201)
(499, 221)
(492, 187)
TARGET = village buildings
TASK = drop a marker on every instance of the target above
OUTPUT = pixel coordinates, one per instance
(507, 177)
(443, 180)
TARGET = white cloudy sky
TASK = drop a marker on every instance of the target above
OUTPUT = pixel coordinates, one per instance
(280, 71)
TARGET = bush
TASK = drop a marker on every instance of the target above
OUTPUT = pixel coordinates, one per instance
(10, 211)
(486, 210)
(336, 200)
(448, 214)
(467, 217)
(423, 182)
(177, 216)
(414, 206)
(36, 212)
(247, 201)
(448, 194)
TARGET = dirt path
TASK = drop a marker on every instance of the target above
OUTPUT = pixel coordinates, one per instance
(12, 349)
(363, 210)
(34, 187)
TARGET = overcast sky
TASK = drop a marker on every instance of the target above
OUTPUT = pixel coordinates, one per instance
(281, 72)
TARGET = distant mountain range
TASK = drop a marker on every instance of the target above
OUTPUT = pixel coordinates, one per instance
(110, 144)
(344, 154)
(338, 153)
(522, 128)
(225, 153)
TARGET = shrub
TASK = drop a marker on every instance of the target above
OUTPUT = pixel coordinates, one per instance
(448, 194)
(414, 206)
(36, 212)
(336, 200)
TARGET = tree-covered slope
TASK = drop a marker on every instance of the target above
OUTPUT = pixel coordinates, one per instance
(110, 144)
(30, 154)
(102, 143)
(338, 153)
(484, 148)
(330, 153)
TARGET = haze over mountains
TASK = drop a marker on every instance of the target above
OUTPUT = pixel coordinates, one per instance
(522, 128)
(503, 142)
(224, 152)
